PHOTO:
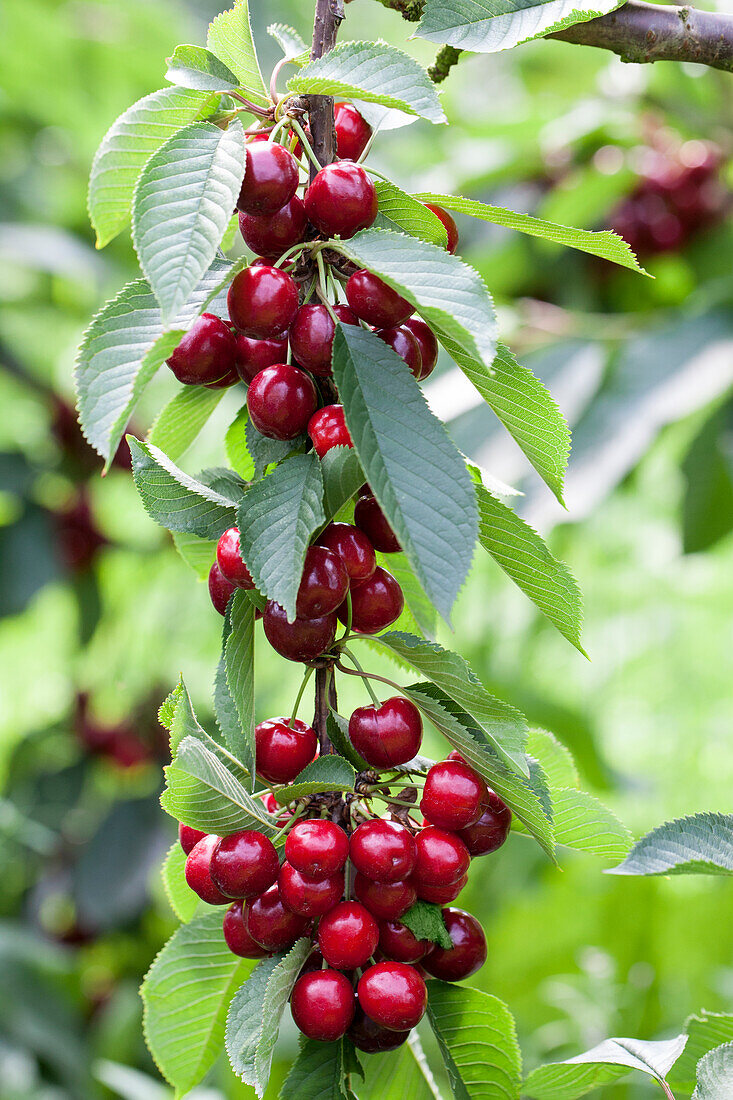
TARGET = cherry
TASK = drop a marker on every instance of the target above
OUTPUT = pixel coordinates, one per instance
(375, 604)
(301, 640)
(348, 936)
(229, 560)
(188, 838)
(317, 848)
(197, 871)
(468, 953)
(368, 1036)
(236, 936)
(327, 429)
(352, 132)
(370, 518)
(262, 301)
(341, 200)
(309, 897)
(244, 864)
(385, 900)
(273, 807)
(271, 235)
(254, 355)
(427, 344)
(311, 336)
(441, 895)
(229, 379)
(323, 1005)
(354, 549)
(314, 962)
(389, 735)
(399, 942)
(220, 589)
(270, 178)
(283, 748)
(375, 302)
(451, 228)
(492, 828)
(393, 994)
(206, 352)
(452, 795)
(324, 583)
(442, 857)
(270, 923)
(403, 342)
(281, 400)
(383, 850)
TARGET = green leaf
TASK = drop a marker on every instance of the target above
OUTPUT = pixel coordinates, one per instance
(185, 997)
(524, 556)
(582, 822)
(342, 477)
(235, 445)
(401, 1074)
(184, 902)
(426, 922)
(195, 67)
(607, 1062)
(485, 26)
(253, 1023)
(186, 725)
(230, 38)
(318, 1071)
(373, 72)
(167, 709)
(337, 729)
(239, 656)
(402, 211)
(174, 499)
(178, 424)
(417, 603)
(327, 773)
(197, 553)
(704, 1032)
(715, 1074)
(276, 520)
(130, 141)
(267, 452)
(182, 205)
(478, 1041)
(412, 466)
(556, 760)
(698, 845)
(707, 468)
(609, 246)
(289, 41)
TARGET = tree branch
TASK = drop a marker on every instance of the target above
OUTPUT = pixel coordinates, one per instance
(329, 15)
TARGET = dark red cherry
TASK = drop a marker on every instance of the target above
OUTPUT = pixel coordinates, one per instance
(389, 735)
(236, 936)
(442, 857)
(427, 344)
(375, 604)
(341, 200)
(301, 640)
(352, 132)
(317, 848)
(206, 353)
(370, 518)
(323, 1005)
(244, 864)
(468, 953)
(197, 873)
(451, 228)
(283, 748)
(309, 897)
(348, 936)
(324, 583)
(368, 1036)
(393, 994)
(385, 900)
(188, 838)
(375, 302)
(270, 178)
(327, 429)
(311, 336)
(398, 942)
(492, 828)
(271, 924)
(281, 400)
(230, 562)
(440, 895)
(403, 342)
(254, 355)
(271, 235)
(220, 589)
(354, 549)
(262, 301)
(383, 850)
(229, 379)
(453, 795)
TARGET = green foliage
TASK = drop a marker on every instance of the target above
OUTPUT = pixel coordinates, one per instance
(398, 210)
(425, 921)
(239, 654)
(177, 425)
(698, 845)
(184, 902)
(399, 1074)
(289, 41)
(705, 1031)
(174, 499)
(230, 38)
(607, 1062)
(342, 477)
(488, 25)
(328, 773)
(195, 67)
(715, 1074)
(318, 1070)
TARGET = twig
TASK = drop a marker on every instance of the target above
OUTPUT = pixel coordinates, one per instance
(329, 16)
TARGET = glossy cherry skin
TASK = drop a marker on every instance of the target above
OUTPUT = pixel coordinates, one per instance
(229, 379)
(311, 336)
(236, 936)
(341, 200)
(393, 994)
(282, 750)
(244, 864)
(352, 132)
(220, 589)
(301, 640)
(270, 235)
(368, 1036)
(230, 561)
(370, 519)
(375, 302)
(205, 354)
(398, 942)
(281, 400)
(427, 343)
(375, 604)
(389, 735)
(441, 895)
(254, 355)
(324, 583)
(403, 342)
(197, 872)
(452, 795)
(383, 850)
(442, 857)
(348, 936)
(317, 848)
(270, 178)
(188, 838)
(384, 900)
(309, 897)
(451, 228)
(323, 1005)
(327, 429)
(468, 953)
(354, 549)
(270, 923)
(262, 301)
(492, 828)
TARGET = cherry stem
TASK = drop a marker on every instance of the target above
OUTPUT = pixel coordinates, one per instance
(275, 131)
(396, 802)
(289, 823)
(347, 628)
(299, 696)
(307, 147)
(364, 676)
(261, 112)
(294, 250)
(321, 289)
(368, 675)
(273, 79)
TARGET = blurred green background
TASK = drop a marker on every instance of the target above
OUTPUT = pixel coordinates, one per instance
(100, 615)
